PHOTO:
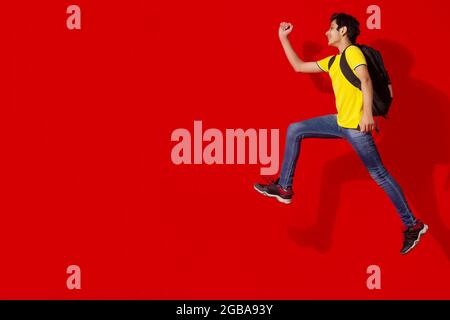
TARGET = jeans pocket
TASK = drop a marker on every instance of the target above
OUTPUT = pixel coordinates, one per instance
(360, 132)
(355, 131)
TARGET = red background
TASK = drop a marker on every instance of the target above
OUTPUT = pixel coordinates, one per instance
(87, 179)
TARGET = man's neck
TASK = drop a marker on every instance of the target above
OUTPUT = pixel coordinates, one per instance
(343, 45)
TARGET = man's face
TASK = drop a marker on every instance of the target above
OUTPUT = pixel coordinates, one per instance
(333, 35)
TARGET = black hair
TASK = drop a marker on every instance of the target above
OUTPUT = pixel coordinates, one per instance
(346, 20)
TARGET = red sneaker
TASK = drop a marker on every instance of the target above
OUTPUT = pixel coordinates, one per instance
(274, 190)
(412, 236)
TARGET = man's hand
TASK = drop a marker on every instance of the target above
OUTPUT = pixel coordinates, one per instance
(285, 29)
(367, 123)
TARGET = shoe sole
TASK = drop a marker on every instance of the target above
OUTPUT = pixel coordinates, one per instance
(422, 232)
(280, 199)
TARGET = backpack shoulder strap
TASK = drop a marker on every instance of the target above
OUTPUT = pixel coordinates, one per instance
(348, 73)
(331, 61)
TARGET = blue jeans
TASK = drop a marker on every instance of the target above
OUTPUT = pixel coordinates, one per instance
(327, 127)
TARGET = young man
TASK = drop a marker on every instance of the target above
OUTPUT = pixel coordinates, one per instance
(353, 122)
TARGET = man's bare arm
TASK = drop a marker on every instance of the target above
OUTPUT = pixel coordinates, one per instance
(298, 64)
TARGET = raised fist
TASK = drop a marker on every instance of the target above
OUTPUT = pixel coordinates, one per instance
(285, 29)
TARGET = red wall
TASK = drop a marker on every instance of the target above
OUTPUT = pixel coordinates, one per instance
(86, 118)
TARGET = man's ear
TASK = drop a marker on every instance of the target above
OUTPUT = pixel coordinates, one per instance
(343, 31)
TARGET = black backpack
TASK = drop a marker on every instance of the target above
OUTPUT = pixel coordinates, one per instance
(380, 79)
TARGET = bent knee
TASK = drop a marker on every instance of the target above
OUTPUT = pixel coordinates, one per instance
(294, 130)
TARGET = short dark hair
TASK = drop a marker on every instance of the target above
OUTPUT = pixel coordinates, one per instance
(346, 20)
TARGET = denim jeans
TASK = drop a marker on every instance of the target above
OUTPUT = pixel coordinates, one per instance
(327, 127)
